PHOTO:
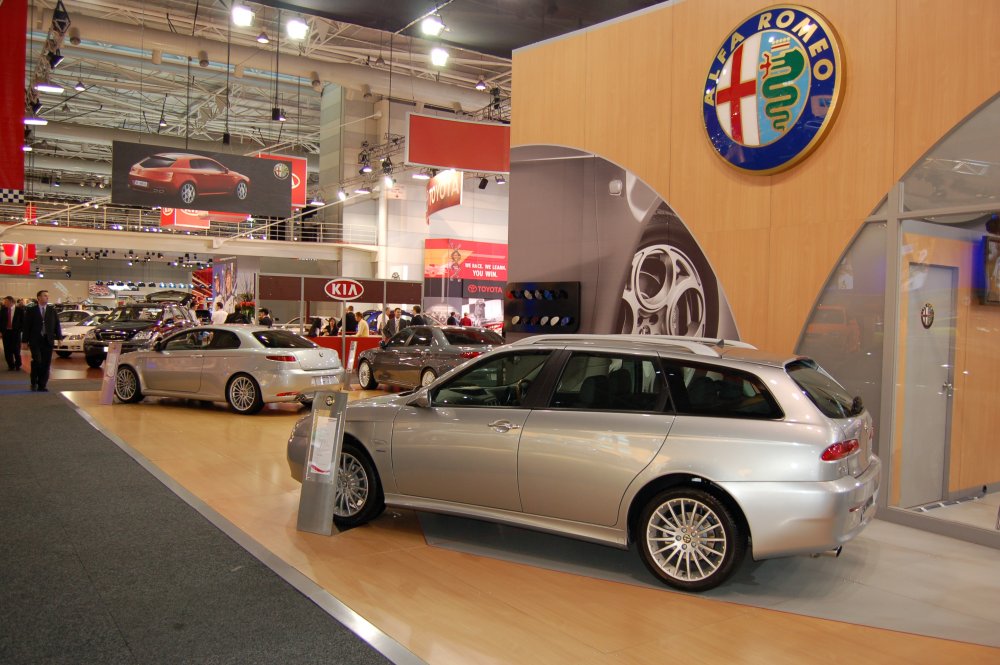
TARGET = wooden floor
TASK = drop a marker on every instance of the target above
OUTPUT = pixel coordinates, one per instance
(453, 608)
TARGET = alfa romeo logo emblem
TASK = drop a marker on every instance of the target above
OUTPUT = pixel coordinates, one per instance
(773, 89)
(927, 315)
(281, 171)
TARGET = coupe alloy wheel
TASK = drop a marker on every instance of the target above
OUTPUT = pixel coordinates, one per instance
(188, 193)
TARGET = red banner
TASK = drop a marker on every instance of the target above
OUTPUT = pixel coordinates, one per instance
(457, 144)
(13, 26)
(444, 191)
(300, 167)
(15, 258)
(188, 219)
(465, 259)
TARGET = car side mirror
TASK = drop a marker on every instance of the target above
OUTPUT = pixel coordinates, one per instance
(422, 400)
(382, 344)
(158, 346)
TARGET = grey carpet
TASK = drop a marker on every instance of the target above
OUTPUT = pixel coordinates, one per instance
(101, 563)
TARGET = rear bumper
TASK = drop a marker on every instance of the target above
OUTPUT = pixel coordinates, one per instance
(298, 385)
(809, 517)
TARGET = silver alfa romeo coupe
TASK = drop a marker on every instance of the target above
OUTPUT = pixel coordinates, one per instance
(245, 366)
(697, 450)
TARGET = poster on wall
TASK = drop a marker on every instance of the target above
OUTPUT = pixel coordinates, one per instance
(150, 175)
(648, 274)
(465, 277)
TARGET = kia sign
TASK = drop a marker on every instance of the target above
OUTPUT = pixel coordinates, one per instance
(343, 289)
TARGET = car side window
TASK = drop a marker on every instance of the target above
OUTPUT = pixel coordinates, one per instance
(421, 337)
(225, 339)
(708, 390)
(611, 382)
(500, 381)
(399, 339)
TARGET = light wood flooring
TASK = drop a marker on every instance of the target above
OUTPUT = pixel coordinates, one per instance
(449, 607)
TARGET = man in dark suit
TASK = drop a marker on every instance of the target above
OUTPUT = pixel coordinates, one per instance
(41, 330)
(11, 324)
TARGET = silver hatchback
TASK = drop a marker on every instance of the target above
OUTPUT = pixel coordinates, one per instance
(246, 366)
(696, 450)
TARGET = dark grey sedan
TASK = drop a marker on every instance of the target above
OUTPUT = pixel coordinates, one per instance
(417, 355)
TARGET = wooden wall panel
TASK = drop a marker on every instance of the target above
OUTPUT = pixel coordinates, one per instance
(735, 259)
(947, 64)
(549, 94)
(628, 94)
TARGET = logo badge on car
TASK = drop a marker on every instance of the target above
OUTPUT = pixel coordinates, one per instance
(927, 315)
(773, 89)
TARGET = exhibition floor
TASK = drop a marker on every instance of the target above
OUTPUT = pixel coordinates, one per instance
(456, 591)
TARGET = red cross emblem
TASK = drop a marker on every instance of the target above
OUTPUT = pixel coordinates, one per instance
(737, 90)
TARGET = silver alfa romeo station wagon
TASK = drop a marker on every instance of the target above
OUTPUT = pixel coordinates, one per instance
(696, 450)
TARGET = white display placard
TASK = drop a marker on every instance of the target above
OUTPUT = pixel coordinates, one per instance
(110, 369)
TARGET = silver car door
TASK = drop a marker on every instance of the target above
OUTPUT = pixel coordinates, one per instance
(177, 367)
(605, 422)
(386, 361)
(223, 357)
(463, 447)
(411, 358)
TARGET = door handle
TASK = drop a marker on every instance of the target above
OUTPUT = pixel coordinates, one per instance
(503, 425)
(949, 389)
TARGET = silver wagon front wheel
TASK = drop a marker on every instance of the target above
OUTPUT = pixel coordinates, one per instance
(690, 540)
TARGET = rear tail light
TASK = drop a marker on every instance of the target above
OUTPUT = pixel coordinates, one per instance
(840, 450)
(470, 354)
(282, 359)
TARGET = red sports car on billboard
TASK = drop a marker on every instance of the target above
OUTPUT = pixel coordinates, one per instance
(187, 177)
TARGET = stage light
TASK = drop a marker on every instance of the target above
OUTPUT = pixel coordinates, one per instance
(483, 182)
(432, 25)
(439, 56)
(242, 16)
(297, 29)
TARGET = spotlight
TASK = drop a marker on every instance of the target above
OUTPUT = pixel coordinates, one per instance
(341, 194)
(48, 86)
(422, 174)
(56, 182)
(35, 120)
(79, 87)
(297, 29)
(55, 58)
(317, 200)
(163, 122)
(480, 84)
(432, 25)
(365, 168)
(439, 56)
(387, 166)
(278, 114)
(363, 189)
(202, 59)
(483, 182)
(26, 147)
(242, 16)
(262, 38)
(389, 180)
(227, 138)
(501, 180)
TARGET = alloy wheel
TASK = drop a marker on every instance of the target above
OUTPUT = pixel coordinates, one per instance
(686, 539)
(242, 393)
(125, 384)
(352, 487)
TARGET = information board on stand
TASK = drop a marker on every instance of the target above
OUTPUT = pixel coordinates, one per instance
(110, 369)
(320, 475)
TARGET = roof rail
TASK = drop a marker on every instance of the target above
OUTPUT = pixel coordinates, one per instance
(701, 346)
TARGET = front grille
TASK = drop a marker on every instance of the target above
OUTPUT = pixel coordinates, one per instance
(114, 335)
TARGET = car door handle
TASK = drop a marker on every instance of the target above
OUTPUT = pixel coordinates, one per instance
(503, 426)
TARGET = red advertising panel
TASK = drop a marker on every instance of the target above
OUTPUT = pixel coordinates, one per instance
(15, 258)
(188, 219)
(444, 191)
(13, 20)
(457, 144)
(465, 259)
(299, 176)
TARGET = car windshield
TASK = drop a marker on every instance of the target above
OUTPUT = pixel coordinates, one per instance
(124, 314)
(282, 339)
(823, 390)
(827, 315)
(93, 319)
(157, 162)
(467, 337)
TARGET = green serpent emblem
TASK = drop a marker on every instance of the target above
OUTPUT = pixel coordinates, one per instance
(779, 72)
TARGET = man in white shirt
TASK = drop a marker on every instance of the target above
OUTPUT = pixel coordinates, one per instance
(219, 315)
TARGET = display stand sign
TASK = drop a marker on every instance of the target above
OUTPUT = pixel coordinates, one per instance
(351, 355)
(110, 369)
(321, 473)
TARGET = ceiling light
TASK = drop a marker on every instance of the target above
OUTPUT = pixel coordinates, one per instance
(79, 87)
(363, 189)
(365, 168)
(501, 180)
(439, 56)
(163, 122)
(27, 147)
(56, 182)
(387, 166)
(55, 58)
(421, 175)
(480, 84)
(341, 194)
(278, 114)
(297, 28)
(389, 180)
(317, 200)
(242, 16)
(432, 25)
(483, 182)
(380, 61)
(262, 38)
(46, 86)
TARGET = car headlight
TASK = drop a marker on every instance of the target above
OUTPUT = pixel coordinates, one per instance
(75, 337)
(91, 334)
(144, 335)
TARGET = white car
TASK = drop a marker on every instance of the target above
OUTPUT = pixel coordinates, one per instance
(72, 341)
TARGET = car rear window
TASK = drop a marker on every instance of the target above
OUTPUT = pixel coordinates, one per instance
(472, 337)
(831, 398)
(157, 162)
(282, 339)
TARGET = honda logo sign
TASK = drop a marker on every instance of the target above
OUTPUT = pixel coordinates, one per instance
(344, 289)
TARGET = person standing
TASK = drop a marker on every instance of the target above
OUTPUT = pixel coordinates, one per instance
(362, 330)
(466, 321)
(418, 318)
(264, 317)
(391, 326)
(350, 326)
(219, 315)
(453, 319)
(11, 325)
(41, 330)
